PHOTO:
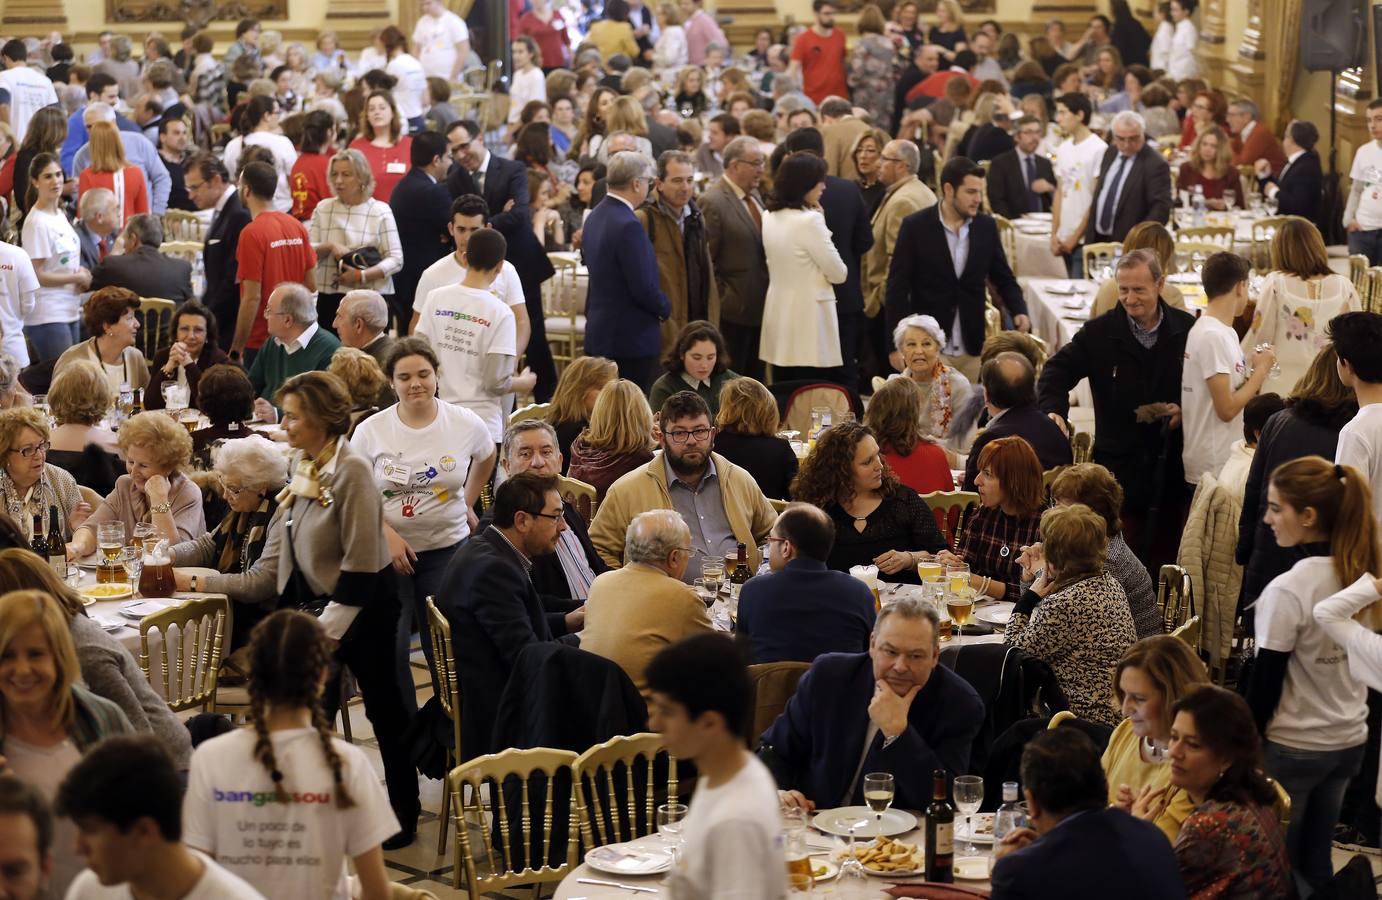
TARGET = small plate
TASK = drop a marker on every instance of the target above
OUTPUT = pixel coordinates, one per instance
(1068, 289)
(831, 867)
(633, 858)
(90, 562)
(1040, 217)
(994, 614)
(983, 824)
(972, 868)
(138, 609)
(837, 821)
(93, 593)
(918, 863)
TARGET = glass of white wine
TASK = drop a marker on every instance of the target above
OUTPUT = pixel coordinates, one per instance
(969, 795)
(879, 788)
(713, 574)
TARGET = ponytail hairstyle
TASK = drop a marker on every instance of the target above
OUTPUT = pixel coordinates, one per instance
(1342, 500)
(289, 656)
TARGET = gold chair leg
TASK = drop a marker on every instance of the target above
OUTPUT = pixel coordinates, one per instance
(445, 814)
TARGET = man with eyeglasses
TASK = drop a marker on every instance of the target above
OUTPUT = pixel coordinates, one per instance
(1021, 180)
(1134, 182)
(891, 709)
(733, 212)
(904, 195)
(209, 187)
(719, 501)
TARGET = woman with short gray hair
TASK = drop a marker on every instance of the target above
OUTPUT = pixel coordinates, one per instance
(918, 341)
(355, 238)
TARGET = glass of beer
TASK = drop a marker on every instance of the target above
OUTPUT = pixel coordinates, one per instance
(189, 419)
(110, 541)
(947, 627)
(957, 577)
(928, 568)
(961, 608)
(713, 574)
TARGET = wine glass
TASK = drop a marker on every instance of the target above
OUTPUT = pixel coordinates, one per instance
(853, 881)
(878, 794)
(1276, 366)
(132, 559)
(1271, 204)
(1230, 199)
(969, 794)
(670, 818)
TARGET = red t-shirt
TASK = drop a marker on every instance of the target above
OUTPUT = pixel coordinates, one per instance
(309, 184)
(924, 470)
(822, 64)
(934, 85)
(550, 36)
(389, 164)
(274, 248)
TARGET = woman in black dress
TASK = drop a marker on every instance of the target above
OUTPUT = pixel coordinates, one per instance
(746, 435)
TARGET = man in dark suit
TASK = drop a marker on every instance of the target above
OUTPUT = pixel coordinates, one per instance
(362, 322)
(502, 182)
(625, 305)
(209, 187)
(733, 222)
(97, 226)
(422, 208)
(803, 609)
(141, 268)
(945, 258)
(1009, 384)
(892, 709)
(848, 221)
(1299, 186)
(1078, 847)
(1134, 182)
(489, 598)
(1021, 180)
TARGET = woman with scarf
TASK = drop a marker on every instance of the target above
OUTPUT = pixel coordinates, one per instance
(919, 340)
(29, 484)
(618, 439)
(251, 470)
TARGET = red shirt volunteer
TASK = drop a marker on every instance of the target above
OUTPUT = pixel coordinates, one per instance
(274, 248)
(822, 64)
(308, 183)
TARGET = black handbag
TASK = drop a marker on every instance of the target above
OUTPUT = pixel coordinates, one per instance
(362, 258)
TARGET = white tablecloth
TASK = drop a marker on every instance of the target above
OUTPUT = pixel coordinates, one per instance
(1056, 317)
(1034, 257)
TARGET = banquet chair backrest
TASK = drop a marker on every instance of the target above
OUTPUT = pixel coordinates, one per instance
(1007, 237)
(155, 320)
(181, 225)
(1219, 235)
(773, 685)
(804, 399)
(600, 788)
(1372, 290)
(531, 411)
(1082, 446)
(951, 508)
(90, 497)
(509, 775)
(1175, 598)
(563, 308)
(189, 660)
(1358, 272)
(1099, 256)
(779, 506)
(1263, 232)
(1189, 631)
(580, 495)
(444, 659)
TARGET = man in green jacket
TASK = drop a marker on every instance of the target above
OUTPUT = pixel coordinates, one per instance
(296, 344)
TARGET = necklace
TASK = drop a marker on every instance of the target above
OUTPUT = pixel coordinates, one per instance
(1152, 751)
(1005, 550)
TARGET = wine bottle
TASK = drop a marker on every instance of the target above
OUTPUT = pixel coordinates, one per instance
(57, 547)
(136, 401)
(38, 543)
(741, 572)
(940, 833)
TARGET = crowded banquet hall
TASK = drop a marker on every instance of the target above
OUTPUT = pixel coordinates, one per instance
(821, 448)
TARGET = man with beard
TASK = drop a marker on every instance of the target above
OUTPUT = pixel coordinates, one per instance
(720, 502)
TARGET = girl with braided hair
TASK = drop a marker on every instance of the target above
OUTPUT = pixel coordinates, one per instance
(283, 804)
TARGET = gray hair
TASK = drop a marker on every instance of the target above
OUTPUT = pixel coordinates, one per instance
(120, 48)
(147, 229)
(620, 136)
(739, 148)
(927, 324)
(522, 427)
(673, 156)
(793, 102)
(1128, 117)
(836, 107)
(359, 164)
(94, 202)
(1247, 106)
(98, 112)
(908, 153)
(298, 303)
(1134, 258)
(368, 306)
(9, 374)
(255, 462)
(784, 84)
(911, 609)
(625, 167)
(652, 536)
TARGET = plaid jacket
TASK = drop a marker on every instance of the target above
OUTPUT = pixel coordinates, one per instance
(985, 535)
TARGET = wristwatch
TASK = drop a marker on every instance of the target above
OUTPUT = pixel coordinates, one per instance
(194, 582)
(161, 507)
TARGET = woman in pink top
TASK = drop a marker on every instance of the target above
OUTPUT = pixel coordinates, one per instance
(381, 142)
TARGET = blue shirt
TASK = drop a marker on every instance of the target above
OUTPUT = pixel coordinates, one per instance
(703, 510)
(140, 153)
(77, 136)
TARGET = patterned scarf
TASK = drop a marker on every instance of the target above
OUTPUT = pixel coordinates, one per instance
(309, 482)
(238, 536)
(21, 509)
(939, 402)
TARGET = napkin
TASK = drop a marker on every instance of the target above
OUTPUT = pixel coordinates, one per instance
(933, 891)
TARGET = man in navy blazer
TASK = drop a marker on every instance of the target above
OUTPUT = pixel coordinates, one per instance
(1299, 187)
(892, 709)
(625, 304)
(923, 279)
(421, 207)
(209, 187)
(1009, 384)
(502, 182)
(1079, 847)
(803, 609)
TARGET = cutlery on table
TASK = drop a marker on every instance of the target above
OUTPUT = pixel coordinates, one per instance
(616, 884)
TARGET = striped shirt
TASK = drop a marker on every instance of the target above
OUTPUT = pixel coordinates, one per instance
(574, 565)
(367, 224)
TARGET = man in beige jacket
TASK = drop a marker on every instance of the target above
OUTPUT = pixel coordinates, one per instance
(906, 194)
(636, 611)
(840, 128)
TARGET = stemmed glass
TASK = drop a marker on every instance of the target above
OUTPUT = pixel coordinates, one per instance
(1271, 204)
(670, 818)
(878, 794)
(1230, 199)
(969, 794)
(853, 881)
(132, 559)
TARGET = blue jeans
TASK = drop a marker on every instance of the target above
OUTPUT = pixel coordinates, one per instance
(413, 591)
(50, 339)
(1368, 243)
(1315, 781)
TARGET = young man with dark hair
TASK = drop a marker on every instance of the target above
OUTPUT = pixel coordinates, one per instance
(818, 55)
(422, 209)
(125, 798)
(29, 90)
(1076, 166)
(26, 841)
(1357, 337)
(274, 248)
(1217, 382)
(700, 705)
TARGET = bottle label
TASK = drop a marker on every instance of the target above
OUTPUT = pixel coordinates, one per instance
(945, 839)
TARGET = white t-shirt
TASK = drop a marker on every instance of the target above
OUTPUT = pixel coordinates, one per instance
(215, 884)
(524, 88)
(1367, 171)
(285, 156)
(410, 94)
(1360, 446)
(732, 840)
(1322, 706)
(50, 237)
(18, 287)
(1077, 174)
(435, 39)
(446, 272)
(422, 471)
(296, 849)
(465, 325)
(30, 91)
(1211, 349)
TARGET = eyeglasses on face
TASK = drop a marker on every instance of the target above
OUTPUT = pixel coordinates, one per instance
(680, 437)
(28, 452)
(545, 515)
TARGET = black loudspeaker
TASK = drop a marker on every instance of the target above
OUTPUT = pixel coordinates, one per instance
(1333, 34)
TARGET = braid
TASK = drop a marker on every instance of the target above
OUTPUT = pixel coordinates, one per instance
(343, 798)
(264, 747)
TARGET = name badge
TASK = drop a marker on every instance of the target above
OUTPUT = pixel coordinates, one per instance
(396, 168)
(396, 472)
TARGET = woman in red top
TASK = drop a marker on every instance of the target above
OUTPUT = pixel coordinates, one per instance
(545, 25)
(1206, 109)
(1211, 167)
(894, 415)
(380, 141)
(308, 181)
(110, 170)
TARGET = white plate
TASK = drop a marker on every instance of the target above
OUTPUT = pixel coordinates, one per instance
(90, 593)
(1033, 228)
(138, 609)
(1068, 289)
(983, 822)
(1040, 217)
(837, 822)
(994, 614)
(90, 562)
(831, 867)
(972, 868)
(640, 857)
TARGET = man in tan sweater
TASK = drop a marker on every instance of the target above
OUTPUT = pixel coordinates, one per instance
(634, 612)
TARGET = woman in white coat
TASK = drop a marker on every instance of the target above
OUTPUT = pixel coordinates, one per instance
(1184, 39)
(1161, 41)
(801, 332)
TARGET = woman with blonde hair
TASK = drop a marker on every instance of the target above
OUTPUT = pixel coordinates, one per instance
(1108, 70)
(364, 380)
(30, 485)
(1075, 615)
(79, 399)
(1210, 168)
(949, 31)
(573, 401)
(689, 96)
(895, 415)
(746, 434)
(867, 154)
(1151, 236)
(352, 218)
(1297, 301)
(109, 169)
(670, 50)
(618, 439)
(156, 450)
(626, 114)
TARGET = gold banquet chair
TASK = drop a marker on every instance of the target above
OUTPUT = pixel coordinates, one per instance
(511, 773)
(1358, 272)
(1082, 446)
(597, 781)
(1372, 290)
(580, 495)
(954, 507)
(1263, 232)
(1007, 237)
(563, 311)
(531, 411)
(181, 225)
(193, 635)
(448, 690)
(155, 321)
(1221, 235)
(1175, 597)
(1099, 256)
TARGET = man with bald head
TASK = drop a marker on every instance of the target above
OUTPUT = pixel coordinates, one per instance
(636, 611)
(803, 608)
(1009, 383)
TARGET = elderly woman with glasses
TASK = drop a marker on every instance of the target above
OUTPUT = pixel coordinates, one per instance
(349, 221)
(29, 484)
